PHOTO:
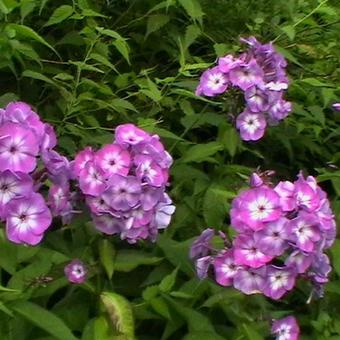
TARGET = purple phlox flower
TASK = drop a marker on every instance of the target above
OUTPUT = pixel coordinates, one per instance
(255, 180)
(260, 205)
(81, 159)
(304, 231)
(249, 281)
(76, 271)
(286, 192)
(257, 99)
(251, 41)
(306, 196)
(320, 268)
(225, 268)
(27, 219)
(18, 148)
(113, 159)
(202, 266)
(247, 252)
(228, 62)
(299, 261)
(59, 200)
(213, 82)
(155, 149)
(18, 112)
(49, 140)
(97, 205)
(286, 329)
(123, 193)
(150, 196)
(272, 239)
(58, 167)
(138, 217)
(336, 106)
(276, 86)
(147, 170)
(325, 215)
(108, 224)
(92, 180)
(134, 234)
(278, 282)
(13, 185)
(163, 212)
(251, 125)
(129, 134)
(279, 110)
(246, 75)
(201, 246)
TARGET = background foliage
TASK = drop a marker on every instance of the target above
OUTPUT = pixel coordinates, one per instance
(87, 66)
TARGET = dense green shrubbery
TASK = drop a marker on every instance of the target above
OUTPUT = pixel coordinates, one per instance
(87, 66)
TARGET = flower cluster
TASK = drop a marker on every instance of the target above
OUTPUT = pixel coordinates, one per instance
(259, 73)
(282, 232)
(24, 140)
(124, 184)
(286, 329)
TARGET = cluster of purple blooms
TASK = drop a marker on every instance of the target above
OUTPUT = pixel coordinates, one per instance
(26, 144)
(124, 184)
(282, 232)
(260, 74)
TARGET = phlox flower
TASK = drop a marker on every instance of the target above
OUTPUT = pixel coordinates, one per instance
(113, 159)
(81, 159)
(225, 268)
(92, 180)
(260, 205)
(278, 282)
(27, 219)
(251, 125)
(76, 272)
(13, 185)
(213, 81)
(18, 148)
(286, 329)
(247, 252)
(249, 281)
(129, 134)
(246, 75)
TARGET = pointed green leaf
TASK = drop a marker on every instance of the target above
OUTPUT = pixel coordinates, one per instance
(107, 254)
(59, 15)
(44, 319)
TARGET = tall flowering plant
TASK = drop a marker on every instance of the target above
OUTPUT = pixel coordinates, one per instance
(282, 232)
(259, 76)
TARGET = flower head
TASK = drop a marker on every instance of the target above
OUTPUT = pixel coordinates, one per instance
(286, 329)
(76, 271)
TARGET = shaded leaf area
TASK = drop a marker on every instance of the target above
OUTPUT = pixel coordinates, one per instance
(87, 66)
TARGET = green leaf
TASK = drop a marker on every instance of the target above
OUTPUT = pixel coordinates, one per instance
(43, 319)
(161, 307)
(200, 152)
(127, 260)
(191, 34)
(289, 31)
(26, 7)
(29, 33)
(215, 205)
(315, 82)
(107, 254)
(155, 22)
(120, 313)
(168, 282)
(203, 335)
(103, 60)
(123, 48)
(193, 9)
(38, 76)
(59, 15)
(251, 332)
(335, 251)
